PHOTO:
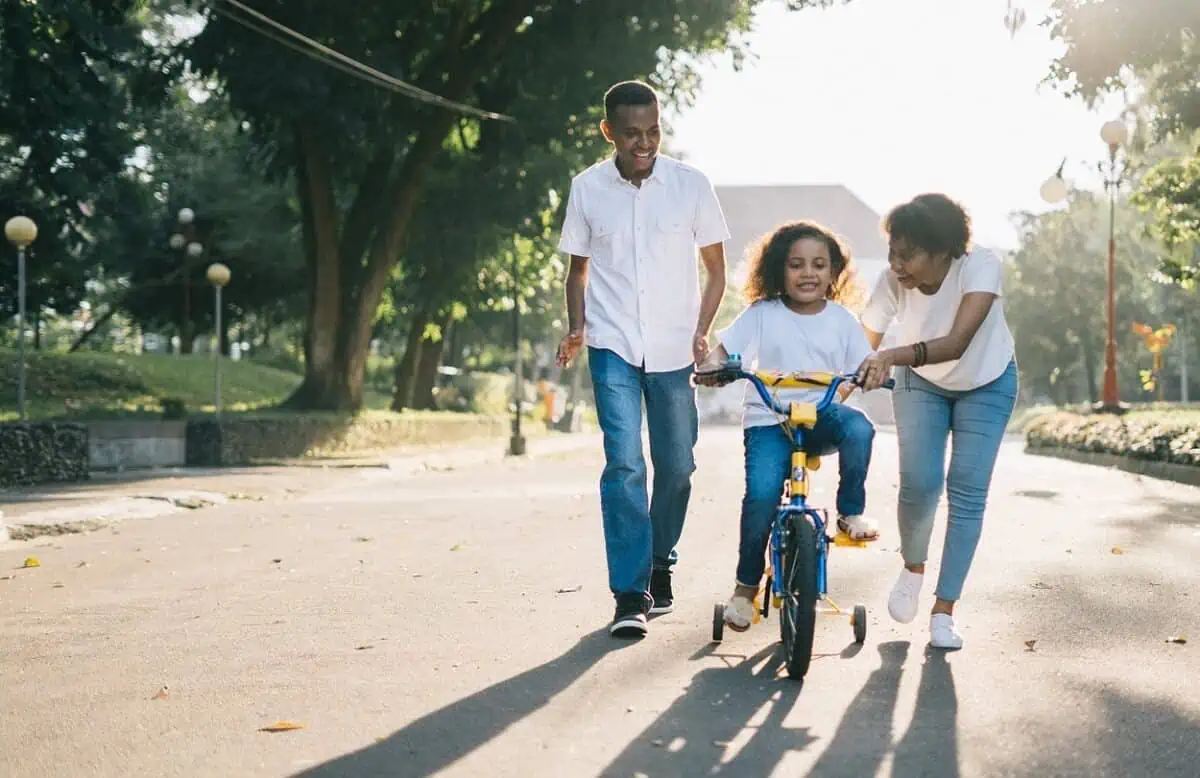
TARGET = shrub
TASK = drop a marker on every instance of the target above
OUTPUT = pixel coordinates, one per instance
(42, 452)
(1162, 437)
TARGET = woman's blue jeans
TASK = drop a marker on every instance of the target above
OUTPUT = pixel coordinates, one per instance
(975, 422)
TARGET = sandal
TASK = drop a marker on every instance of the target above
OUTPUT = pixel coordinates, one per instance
(858, 527)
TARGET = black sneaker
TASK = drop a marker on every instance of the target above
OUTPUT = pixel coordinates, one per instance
(630, 618)
(660, 591)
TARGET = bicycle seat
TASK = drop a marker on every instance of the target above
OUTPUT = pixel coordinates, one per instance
(802, 415)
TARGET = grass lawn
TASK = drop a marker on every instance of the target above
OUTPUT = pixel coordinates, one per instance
(92, 385)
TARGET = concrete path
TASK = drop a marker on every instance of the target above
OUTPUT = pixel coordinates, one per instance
(450, 623)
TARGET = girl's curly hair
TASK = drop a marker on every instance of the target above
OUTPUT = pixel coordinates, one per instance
(768, 264)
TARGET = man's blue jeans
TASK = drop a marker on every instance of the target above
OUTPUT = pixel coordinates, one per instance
(640, 533)
(974, 421)
(839, 428)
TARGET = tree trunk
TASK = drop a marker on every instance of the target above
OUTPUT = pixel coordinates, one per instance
(344, 294)
(429, 360)
(187, 337)
(406, 368)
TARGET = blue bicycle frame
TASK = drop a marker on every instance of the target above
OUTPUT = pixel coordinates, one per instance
(798, 502)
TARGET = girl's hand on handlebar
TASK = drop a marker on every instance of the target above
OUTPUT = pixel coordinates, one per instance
(874, 370)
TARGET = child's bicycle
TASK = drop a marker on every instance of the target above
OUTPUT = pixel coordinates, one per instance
(799, 549)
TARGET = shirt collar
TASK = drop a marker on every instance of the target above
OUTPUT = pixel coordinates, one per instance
(657, 175)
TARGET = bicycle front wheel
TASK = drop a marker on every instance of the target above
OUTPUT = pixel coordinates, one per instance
(798, 615)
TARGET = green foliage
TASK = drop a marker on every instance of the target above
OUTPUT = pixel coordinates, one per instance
(1110, 44)
(1114, 44)
(383, 177)
(198, 156)
(1164, 436)
(1170, 194)
(77, 76)
(1055, 297)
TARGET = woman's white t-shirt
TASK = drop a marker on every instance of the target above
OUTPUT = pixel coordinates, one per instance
(921, 317)
(770, 336)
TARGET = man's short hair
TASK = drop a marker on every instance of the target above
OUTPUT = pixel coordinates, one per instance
(628, 93)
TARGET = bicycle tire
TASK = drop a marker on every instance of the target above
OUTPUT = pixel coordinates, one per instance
(798, 616)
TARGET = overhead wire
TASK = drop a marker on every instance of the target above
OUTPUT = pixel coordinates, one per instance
(264, 25)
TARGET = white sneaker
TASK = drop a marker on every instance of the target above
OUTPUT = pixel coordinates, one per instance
(902, 603)
(942, 633)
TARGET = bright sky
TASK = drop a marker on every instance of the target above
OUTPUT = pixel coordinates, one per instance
(893, 98)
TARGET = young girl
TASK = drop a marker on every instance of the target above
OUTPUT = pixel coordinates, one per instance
(794, 324)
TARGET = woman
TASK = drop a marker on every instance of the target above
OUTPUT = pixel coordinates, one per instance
(957, 379)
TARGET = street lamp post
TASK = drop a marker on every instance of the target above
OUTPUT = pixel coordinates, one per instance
(218, 276)
(191, 250)
(516, 445)
(1114, 134)
(20, 231)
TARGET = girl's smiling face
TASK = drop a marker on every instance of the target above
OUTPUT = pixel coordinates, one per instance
(808, 274)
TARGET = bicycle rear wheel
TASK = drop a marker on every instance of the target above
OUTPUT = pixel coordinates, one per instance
(798, 616)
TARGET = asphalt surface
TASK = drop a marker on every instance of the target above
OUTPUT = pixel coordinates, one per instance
(451, 623)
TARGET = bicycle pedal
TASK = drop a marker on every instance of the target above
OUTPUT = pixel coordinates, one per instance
(844, 540)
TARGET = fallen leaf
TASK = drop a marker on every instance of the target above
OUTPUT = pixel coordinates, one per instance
(1180, 639)
(281, 726)
(363, 648)
(6, 577)
(572, 590)
(58, 586)
(363, 539)
(457, 547)
(276, 561)
(1029, 644)
(162, 694)
(1117, 551)
(31, 561)
(82, 564)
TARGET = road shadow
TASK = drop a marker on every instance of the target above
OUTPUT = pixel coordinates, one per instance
(864, 735)
(437, 739)
(930, 746)
(692, 737)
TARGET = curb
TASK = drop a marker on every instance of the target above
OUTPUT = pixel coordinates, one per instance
(1166, 471)
(78, 519)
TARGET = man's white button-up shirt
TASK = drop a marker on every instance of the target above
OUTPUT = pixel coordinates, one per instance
(643, 292)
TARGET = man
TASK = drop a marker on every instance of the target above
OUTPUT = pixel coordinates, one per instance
(632, 226)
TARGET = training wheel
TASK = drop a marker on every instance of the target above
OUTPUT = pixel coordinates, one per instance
(718, 631)
(859, 622)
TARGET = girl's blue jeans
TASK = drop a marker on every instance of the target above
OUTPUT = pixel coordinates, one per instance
(839, 428)
(974, 422)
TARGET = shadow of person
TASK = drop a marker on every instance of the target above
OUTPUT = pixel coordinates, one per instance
(437, 739)
(930, 746)
(692, 737)
(864, 736)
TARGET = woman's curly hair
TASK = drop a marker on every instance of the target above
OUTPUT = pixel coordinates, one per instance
(768, 264)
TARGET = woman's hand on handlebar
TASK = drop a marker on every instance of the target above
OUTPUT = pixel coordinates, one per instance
(874, 371)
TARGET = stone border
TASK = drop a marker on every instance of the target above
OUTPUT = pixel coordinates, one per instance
(1167, 471)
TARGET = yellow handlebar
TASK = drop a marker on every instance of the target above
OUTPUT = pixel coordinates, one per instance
(776, 380)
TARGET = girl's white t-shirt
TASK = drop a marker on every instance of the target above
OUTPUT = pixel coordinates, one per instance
(770, 336)
(921, 317)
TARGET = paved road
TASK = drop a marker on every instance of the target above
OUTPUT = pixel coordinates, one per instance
(450, 624)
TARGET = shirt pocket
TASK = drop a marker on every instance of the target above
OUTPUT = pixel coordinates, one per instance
(603, 240)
